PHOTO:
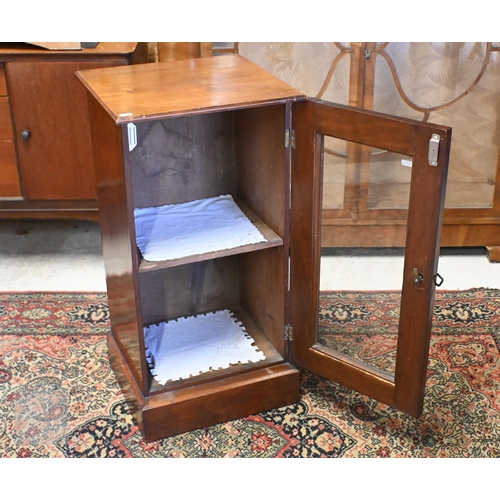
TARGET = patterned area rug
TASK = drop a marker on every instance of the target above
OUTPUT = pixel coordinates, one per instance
(59, 397)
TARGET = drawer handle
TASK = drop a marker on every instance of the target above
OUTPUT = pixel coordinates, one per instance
(25, 135)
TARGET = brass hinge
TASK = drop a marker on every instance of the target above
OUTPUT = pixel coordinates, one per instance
(288, 333)
(290, 138)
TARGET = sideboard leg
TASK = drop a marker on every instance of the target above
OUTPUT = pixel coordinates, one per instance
(493, 254)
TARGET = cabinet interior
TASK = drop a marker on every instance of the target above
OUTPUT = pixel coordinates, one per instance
(237, 152)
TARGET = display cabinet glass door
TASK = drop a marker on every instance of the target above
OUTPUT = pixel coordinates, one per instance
(371, 336)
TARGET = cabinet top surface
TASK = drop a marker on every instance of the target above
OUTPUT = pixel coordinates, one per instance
(156, 90)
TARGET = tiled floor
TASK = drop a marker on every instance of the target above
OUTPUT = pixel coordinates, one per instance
(461, 269)
(51, 256)
(66, 256)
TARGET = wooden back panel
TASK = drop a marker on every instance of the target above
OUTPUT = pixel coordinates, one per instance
(188, 290)
(183, 159)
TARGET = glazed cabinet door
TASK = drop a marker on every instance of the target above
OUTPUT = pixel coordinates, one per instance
(366, 328)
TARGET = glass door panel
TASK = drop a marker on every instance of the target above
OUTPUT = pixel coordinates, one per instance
(365, 326)
(389, 180)
(360, 289)
(335, 158)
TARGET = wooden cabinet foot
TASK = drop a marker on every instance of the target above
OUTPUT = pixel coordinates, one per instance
(493, 254)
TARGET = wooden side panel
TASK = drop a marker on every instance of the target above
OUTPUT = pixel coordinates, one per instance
(262, 168)
(48, 100)
(263, 292)
(118, 239)
(184, 159)
(10, 186)
(263, 184)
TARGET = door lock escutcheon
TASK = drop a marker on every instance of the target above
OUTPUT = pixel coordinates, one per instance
(417, 277)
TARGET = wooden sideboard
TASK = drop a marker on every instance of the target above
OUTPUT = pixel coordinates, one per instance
(45, 144)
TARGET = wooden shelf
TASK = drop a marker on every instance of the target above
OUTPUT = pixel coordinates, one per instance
(260, 340)
(272, 240)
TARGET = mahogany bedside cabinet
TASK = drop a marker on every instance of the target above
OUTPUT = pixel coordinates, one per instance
(210, 178)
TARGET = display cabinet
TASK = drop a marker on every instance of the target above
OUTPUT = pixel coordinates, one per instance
(209, 176)
(452, 83)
